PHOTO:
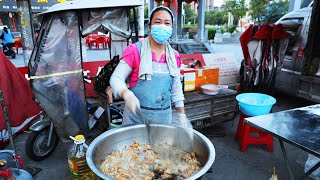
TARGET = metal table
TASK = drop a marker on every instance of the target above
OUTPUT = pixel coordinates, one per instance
(299, 127)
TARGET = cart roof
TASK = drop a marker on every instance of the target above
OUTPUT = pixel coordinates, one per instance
(91, 4)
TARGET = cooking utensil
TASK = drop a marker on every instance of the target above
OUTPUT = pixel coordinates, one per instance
(117, 139)
(145, 121)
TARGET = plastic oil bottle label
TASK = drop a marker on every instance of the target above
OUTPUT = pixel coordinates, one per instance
(73, 167)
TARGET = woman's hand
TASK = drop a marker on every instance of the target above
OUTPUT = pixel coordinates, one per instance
(184, 121)
(131, 101)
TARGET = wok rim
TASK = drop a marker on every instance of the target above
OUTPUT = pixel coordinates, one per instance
(95, 169)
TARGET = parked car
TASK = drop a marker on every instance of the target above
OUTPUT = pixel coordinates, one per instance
(298, 75)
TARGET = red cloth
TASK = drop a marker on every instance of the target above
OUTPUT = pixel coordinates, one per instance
(265, 33)
(244, 40)
(17, 94)
(279, 33)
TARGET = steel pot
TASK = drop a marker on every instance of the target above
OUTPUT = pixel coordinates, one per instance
(116, 139)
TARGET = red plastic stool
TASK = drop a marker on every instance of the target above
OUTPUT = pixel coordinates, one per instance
(243, 134)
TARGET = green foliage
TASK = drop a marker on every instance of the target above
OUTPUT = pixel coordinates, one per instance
(146, 11)
(211, 30)
(265, 11)
(190, 26)
(190, 16)
(211, 33)
(215, 17)
(236, 7)
(276, 10)
(257, 9)
(192, 29)
(232, 29)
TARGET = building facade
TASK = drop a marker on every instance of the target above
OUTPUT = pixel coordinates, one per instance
(9, 16)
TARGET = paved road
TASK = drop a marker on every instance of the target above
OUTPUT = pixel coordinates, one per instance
(230, 163)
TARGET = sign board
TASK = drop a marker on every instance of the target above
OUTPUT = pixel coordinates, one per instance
(36, 5)
(227, 64)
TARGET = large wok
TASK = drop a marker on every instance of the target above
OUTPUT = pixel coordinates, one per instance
(117, 139)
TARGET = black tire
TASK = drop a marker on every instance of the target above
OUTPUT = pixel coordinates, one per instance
(36, 144)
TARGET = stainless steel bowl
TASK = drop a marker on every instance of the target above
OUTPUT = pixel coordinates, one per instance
(116, 139)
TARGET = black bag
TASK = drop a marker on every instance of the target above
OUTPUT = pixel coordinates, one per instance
(103, 78)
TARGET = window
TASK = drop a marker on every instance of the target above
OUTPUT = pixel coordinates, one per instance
(293, 27)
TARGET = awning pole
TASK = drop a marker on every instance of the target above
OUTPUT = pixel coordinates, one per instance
(201, 14)
(26, 28)
(141, 21)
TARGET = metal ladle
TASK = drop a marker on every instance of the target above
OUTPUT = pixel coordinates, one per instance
(145, 121)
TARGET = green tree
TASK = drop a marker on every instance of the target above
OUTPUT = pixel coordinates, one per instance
(189, 14)
(237, 8)
(215, 17)
(257, 9)
(276, 10)
(146, 11)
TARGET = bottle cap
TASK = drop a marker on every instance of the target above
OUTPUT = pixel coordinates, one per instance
(79, 137)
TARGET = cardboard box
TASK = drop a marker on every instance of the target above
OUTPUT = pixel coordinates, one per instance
(189, 79)
(206, 76)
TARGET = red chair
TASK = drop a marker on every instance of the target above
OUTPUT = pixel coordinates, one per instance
(101, 40)
(87, 40)
(244, 134)
(17, 44)
(108, 42)
(90, 40)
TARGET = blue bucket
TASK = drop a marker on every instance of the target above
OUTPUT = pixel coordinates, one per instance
(255, 104)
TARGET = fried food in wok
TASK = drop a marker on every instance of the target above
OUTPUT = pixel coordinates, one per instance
(141, 162)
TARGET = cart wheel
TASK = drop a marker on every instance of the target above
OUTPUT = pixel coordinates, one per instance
(36, 145)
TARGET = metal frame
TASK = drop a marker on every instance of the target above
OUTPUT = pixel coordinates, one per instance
(286, 160)
(284, 152)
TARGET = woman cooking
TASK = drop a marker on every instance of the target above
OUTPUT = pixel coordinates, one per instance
(154, 76)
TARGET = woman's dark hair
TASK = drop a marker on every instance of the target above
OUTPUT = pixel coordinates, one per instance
(5, 29)
(160, 8)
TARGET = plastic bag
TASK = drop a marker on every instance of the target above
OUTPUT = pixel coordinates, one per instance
(312, 160)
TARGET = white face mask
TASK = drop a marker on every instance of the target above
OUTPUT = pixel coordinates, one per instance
(161, 33)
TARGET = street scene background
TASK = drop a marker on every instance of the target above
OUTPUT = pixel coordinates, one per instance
(224, 23)
(230, 163)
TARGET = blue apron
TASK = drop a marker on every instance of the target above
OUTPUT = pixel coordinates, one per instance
(154, 96)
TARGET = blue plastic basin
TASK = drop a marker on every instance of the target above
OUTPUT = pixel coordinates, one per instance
(255, 104)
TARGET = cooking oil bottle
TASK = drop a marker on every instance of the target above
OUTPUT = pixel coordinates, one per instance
(77, 160)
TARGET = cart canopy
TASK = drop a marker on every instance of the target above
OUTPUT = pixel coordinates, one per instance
(55, 65)
(91, 4)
